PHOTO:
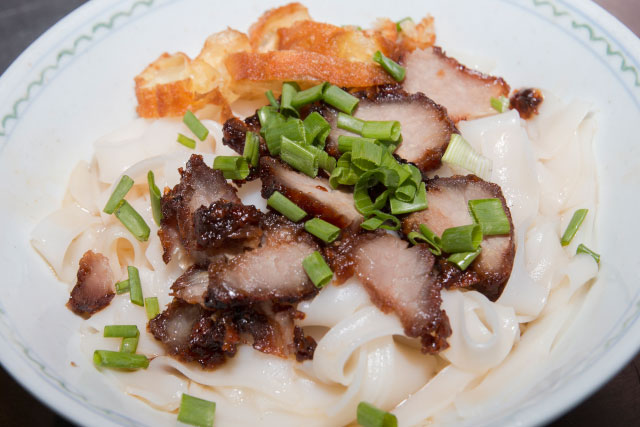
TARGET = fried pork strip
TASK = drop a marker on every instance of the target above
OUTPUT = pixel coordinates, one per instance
(94, 289)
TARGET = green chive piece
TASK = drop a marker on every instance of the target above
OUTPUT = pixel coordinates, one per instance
(118, 194)
(119, 360)
(195, 125)
(186, 141)
(293, 129)
(289, 92)
(500, 104)
(122, 287)
(121, 331)
(251, 151)
(370, 416)
(269, 117)
(232, 167)
(465, 238)
(299, 157)
(286, 207)
(135, 287)
(432, 239)
(362, 199)
(459, 152)
(350, 123)
(345, 142)
(464, 259)
(132, 220)
(406, 193)
(392, 68)
(317, 269)
(416, 237)
(340, 99)
(272, 99)
(379, 219)
(152, 307)
(582, 249)
(129, 345)
(322, 229)
(490, 214)
(155, 196)
(418, 203)
(325, 161)
(365, 155)
(574, 224)
(399, 23)
(196, 412)
(316, 129)
(382, 130)
(308, 96)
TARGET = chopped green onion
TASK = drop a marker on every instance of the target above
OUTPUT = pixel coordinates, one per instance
(122, 287)
(418, 203)
(432, 238)
(345, 142)
(316, 129)
(459, 152)
(382, 130)
(269, 116)
(152, 307)
(121, 331)
(465, 238)
(118, 194)
(490, 214)
(289, 91)
(186, 141)
(317, 269)
(299, 157)
(132, 220)
(574, 224)
(464, 259)
(582, 249)
(399, 23)
(325, 161)
(272, 99)
(251, 150)
(119, 360)
(308, 96)
(286, 207)
(340, 99)
(155, 196)
(365, 154)
(379, 219)
(406, 193)
(350, 123)
(195, 125)
(394, 69)
(129, 345)
(322, 229)
(293, 129)
(361, 198)
(500, 104)
(135, 288)
(232, 167)
(370, 416)
(196, 412)
(415, 236)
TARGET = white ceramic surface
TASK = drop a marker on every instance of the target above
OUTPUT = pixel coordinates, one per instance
(75, 83)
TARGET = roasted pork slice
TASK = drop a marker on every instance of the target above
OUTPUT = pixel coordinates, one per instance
(315, 196)
(465, 93)
(227, 225)
(526, 101)
(192, 285)
(234, 132)
(426, 128)
(95, 288)
(398, 279)
(448, 207)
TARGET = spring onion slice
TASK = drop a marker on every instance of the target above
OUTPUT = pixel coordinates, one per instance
(129, 345)
(286, 207)
(370, 416)
(416, 237)
(122, 287)
(293, 129)
(232, 167)
(308, 96)
(322, 229)
(340, 99)
(317, 269)
(366, 155)
(345, 142)
(432, 237)
(316, 129)
(272, 99)
(574, 224)
(500, 104)
(132, 220)
(379, 219)
(135, 288)
(195, 125)
(465, 238)
(299, 157)
(350, 123)
(382, 130)
(155, 197)
(152, 307)
(196, 412)
(269, 116)
(251, 151)
(490, 214)
(289, 91)
(394, 69)
(460, 153)
(464, 259)
(186, 141)
(121, 331)
(119, 360)
(418, 203)
(582, 249)
(118, 194)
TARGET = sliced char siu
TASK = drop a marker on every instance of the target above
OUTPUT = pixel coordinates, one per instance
(398, 279)
(465, 93)
(448, 207)
(95, 288)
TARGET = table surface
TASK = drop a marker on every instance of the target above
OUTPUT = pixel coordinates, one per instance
(22, 21)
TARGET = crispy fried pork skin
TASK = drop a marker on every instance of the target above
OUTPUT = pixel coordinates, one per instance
(448, 207)
(426, 128)
(263, 34)
(527, 101)
(94, 289)
(273, 272)
(465, 93)
(315, 196)
(398, 279)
